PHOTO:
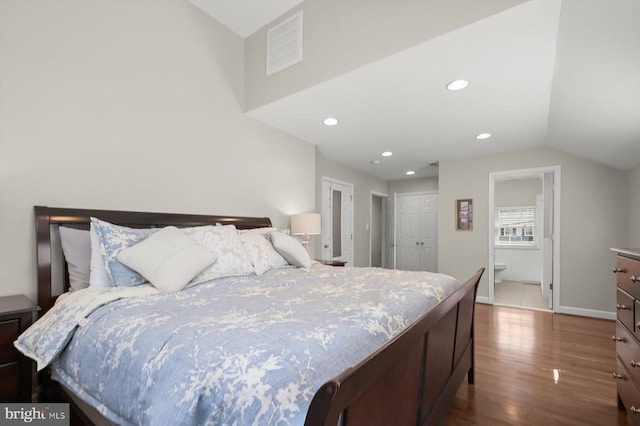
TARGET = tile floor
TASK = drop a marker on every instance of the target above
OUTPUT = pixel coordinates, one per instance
(514, 293)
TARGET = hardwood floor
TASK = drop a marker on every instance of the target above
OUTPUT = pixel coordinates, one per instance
(538, 368)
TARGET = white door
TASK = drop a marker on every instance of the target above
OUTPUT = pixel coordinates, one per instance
(337, 220)
(417, 232)
(428, 236)
(408, 233)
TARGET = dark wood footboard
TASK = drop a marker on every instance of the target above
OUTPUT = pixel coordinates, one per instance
(413, 379)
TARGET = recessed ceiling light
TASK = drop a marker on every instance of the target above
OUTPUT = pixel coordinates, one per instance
(410, 172)
(330, 121)
(387, 154)
(457, 85)
(482, 136)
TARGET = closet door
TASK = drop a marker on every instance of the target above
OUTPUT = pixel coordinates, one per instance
(428, 237)
(407, 233)
(417, 232)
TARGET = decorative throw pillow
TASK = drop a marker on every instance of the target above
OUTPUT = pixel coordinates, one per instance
(169, 259)
(263, 256)
(224, 242)
(291, 249)
(97, 272)
(112, 239)
(76, 246)
(262, 231)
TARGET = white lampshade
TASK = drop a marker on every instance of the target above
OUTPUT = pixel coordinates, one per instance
(306, 224)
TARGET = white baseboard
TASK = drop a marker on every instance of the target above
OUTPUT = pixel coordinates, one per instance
(587, 312)
(591, 313)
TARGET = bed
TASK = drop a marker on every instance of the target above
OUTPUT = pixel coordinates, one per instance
(409, 378)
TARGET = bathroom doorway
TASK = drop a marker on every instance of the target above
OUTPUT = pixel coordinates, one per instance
(524, 219)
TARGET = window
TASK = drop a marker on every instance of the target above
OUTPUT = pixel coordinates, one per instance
(515, 226)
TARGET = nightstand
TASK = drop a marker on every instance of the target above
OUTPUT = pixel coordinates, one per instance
(332, 262)
(16, 371)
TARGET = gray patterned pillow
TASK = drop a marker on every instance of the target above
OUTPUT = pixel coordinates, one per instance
(224, 242)
(263, 256)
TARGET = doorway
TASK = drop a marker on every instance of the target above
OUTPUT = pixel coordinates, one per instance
(377, 229)
(337, 220)
(524, 238)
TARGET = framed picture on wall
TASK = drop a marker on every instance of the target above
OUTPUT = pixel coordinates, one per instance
(464, 215)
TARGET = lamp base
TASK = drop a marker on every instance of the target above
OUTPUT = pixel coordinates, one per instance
(305, 242)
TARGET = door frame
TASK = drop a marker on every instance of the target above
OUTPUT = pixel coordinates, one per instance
(327, 223)
(383, 230)
(534, 172)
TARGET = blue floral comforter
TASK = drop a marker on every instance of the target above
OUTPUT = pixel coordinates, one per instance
(247, 350)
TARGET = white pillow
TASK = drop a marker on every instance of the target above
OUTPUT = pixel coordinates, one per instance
(97, 271)
(169, 259)
(263, 256)
(291, 249)
(114, 238)
(76, 246)
(224, 242)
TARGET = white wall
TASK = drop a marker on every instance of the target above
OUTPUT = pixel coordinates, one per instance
(634, 207)
(413, 185)
(517, 192)
(363, 184)
(132, 105)
(522, 264)
(594, 197)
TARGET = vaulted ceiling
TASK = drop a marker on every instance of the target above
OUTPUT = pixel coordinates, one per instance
(564, 74)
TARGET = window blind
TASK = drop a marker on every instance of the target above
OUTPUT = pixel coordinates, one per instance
(515, 218)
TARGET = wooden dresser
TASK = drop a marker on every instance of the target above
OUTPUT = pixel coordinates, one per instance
(627, 271)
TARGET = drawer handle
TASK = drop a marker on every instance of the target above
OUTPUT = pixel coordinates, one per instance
(634, 410)
(617, 376)
(616, 270)
(634, 364)
(634, 279)
(618, 339)
(622, 307)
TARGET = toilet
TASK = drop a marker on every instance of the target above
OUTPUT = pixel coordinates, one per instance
(498, 268)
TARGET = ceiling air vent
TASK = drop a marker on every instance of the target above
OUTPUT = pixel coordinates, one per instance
(284, 44)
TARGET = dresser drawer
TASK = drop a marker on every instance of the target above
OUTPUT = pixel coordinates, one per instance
(629, 393)
(628, 351)
(9, 331)
(628, 275)
(624, 307)
(10, 382)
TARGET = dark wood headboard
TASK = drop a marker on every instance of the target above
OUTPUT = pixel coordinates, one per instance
(81, 219)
